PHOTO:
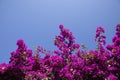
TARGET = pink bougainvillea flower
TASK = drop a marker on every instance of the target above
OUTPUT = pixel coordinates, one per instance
(3, 67)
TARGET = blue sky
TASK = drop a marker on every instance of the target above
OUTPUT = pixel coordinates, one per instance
(37, 21)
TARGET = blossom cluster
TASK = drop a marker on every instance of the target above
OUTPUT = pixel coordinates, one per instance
(69, 62)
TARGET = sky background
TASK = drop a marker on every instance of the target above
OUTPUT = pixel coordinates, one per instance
(37, 21)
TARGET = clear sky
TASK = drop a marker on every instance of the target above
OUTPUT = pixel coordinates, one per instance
(37, 21)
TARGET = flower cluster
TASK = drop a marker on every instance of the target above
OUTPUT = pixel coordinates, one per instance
(69, 62)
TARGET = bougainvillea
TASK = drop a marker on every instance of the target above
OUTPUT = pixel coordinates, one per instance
(69, 62)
